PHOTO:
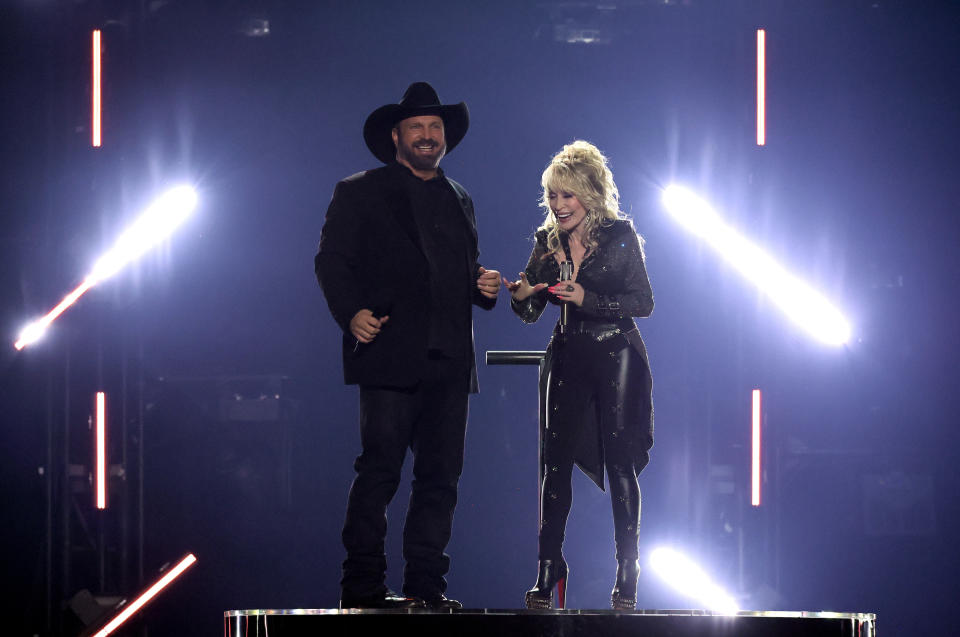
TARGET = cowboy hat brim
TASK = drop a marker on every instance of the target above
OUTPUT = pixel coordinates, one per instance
(377, 128)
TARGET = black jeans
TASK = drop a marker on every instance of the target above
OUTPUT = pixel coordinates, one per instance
(430, 419)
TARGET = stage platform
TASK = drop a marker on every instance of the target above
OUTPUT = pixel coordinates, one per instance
(537, 623)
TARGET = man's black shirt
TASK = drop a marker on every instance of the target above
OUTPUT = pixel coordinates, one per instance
(443, 236)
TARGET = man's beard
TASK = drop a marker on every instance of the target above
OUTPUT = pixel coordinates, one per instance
(422, 162)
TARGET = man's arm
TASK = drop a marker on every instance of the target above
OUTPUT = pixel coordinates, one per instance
(340, 251)
(486, 282)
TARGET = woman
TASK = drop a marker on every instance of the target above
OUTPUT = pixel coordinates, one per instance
(596, 384)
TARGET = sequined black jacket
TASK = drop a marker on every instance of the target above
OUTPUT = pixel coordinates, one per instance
(613, 276)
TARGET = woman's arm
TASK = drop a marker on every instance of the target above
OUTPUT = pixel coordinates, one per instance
(623, 256)
(530, 308)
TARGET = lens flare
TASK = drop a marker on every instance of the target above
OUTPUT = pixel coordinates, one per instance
(153, 227)
(802, 304)
(684, 576)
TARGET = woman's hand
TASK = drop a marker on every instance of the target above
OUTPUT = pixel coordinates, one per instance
(568, 291)
(521, 289)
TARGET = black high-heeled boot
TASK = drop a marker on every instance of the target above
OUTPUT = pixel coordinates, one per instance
(624, 595)
(549, 574)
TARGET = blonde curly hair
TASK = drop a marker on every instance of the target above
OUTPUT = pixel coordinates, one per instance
(580, 169)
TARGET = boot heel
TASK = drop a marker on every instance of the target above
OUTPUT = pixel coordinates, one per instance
(624, 595)
(551, 574)
(562, 593)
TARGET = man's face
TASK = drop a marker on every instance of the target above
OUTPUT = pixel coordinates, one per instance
(420, 142)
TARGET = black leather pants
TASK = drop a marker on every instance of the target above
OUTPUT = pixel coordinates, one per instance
(607, 376)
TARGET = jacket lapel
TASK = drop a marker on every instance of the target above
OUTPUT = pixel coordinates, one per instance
(465, 207)
(399, 205)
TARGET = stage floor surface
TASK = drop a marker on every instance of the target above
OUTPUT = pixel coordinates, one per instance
(553, 623)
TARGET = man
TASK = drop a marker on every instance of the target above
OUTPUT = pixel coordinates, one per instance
(398, 267)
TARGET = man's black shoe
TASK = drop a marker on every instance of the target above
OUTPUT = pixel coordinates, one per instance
(385, 600)
(442, 602)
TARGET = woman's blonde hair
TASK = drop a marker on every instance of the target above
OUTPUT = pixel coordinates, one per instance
(581, 170)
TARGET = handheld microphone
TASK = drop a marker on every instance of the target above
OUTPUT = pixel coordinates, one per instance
(379, 311)
(566, 274)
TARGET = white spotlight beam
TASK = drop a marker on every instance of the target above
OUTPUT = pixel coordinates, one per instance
(152, 227)
(801, 303)
(684, 576)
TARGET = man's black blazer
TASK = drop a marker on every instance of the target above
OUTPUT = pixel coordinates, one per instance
(371, 257)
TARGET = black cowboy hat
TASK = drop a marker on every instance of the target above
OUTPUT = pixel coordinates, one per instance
(419, 99)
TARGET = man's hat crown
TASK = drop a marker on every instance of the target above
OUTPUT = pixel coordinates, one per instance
(418, 95)
(418, 99)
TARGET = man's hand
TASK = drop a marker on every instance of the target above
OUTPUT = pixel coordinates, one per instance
(365, 326)
(488, 283)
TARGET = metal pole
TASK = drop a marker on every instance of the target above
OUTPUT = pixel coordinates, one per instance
(125, 496)
(100, 515)
(140, 471)
(49, 475)
(508, 357)
(65, 482)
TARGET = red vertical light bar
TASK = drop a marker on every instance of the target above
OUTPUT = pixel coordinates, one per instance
(755, 455)
(101, 444)
(149, 594)
(761, 87)
(95, 90)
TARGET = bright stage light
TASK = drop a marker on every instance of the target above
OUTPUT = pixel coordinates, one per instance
(804, 305)
(35, 331)
(683, 575)
(95, 90)
(755, 450)
(147, 595)
(100, 437)
(761, 87)
(152, 227)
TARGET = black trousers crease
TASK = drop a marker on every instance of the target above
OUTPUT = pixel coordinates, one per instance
(430, 420)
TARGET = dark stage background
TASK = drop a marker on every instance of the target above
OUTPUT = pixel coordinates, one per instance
(261, 104)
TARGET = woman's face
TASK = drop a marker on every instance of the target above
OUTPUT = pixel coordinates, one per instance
(567, 209)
